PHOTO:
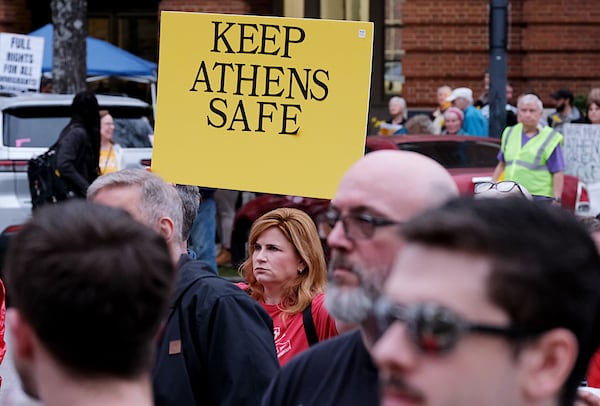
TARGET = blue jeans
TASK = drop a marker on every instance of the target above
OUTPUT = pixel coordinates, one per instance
(201, 243)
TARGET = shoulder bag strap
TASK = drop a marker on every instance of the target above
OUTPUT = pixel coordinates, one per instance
(309, 325)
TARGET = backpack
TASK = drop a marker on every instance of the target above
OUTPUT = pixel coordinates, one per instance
(45, 184)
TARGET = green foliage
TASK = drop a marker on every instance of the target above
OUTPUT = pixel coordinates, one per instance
(229, 273)
(580, 102)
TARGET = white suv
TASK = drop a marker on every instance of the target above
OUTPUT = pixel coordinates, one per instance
(30, 123)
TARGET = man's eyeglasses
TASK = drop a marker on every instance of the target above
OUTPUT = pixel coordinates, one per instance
(505, 186)
(357, 226)
(434, 328)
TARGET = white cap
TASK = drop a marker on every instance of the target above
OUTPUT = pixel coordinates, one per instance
(463, 92)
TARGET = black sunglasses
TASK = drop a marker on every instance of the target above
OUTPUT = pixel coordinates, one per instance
(434, 328)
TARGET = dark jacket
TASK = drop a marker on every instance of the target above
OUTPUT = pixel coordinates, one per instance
(78, 146)
(338, 371)
(75, 158)
(217, 347)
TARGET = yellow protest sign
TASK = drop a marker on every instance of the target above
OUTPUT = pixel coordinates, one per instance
(263, 104)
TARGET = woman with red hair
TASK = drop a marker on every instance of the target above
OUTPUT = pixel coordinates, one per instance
(286, 273)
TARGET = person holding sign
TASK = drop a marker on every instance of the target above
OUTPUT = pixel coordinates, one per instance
(531, 155)
(286, 273)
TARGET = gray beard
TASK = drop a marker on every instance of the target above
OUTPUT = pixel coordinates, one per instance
(349, 305)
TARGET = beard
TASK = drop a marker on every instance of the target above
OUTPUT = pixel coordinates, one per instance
(352, 304)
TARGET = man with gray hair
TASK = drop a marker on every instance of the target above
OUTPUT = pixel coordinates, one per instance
(199, 359)
(375, 196)
(531, 154)
(474, 123)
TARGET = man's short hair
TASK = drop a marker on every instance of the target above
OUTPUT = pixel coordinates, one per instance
(530, 98)
(563, 93)
(545, 270)
(93, 284)
(158, 198)
(190, 199)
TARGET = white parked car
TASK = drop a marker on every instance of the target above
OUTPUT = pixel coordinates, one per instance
(30, 123)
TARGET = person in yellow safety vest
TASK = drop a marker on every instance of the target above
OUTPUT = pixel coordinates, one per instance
(531, 154)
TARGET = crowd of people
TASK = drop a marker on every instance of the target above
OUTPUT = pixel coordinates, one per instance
(426, 297)
(458, 106)
(531, 152)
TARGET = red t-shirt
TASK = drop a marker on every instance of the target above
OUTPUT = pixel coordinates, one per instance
(290, 338)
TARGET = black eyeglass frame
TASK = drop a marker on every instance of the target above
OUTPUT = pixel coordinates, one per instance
(387, 312)
(331, 217)
(492, 185)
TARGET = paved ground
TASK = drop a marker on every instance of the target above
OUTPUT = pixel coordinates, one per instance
(11, 393)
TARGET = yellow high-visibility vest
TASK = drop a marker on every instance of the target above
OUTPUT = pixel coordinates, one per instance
(527, 165)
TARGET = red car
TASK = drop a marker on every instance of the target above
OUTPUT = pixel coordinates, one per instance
(468, 159)
(473, 159)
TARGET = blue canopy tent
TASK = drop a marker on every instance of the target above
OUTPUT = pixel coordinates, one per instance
(103, 59)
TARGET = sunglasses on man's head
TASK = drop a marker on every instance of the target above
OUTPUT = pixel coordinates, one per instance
(434, 328)
(505, 186)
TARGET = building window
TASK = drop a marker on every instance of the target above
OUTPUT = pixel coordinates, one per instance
(393, 53)
(353, 10)
(134, 32)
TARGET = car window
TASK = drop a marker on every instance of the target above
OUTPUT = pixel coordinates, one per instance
(40, 126)
(450, 154)
(33, 127)
(132, 129)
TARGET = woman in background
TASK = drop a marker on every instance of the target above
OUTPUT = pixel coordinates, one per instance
(593, 111)
(398, 115)
(453, 121)
(110, 153)
(286, 273)
(592, 115)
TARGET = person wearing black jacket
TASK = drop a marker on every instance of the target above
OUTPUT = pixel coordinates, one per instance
(78, 147)
(217, 347)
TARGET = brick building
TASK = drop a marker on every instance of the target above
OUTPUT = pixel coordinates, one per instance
(552, 44)
(419, 44)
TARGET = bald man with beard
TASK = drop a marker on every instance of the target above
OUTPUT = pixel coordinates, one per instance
(375, 196)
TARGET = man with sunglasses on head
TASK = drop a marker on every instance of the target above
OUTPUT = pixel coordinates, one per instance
(488, 310)
(505, 188)
(374, 198)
